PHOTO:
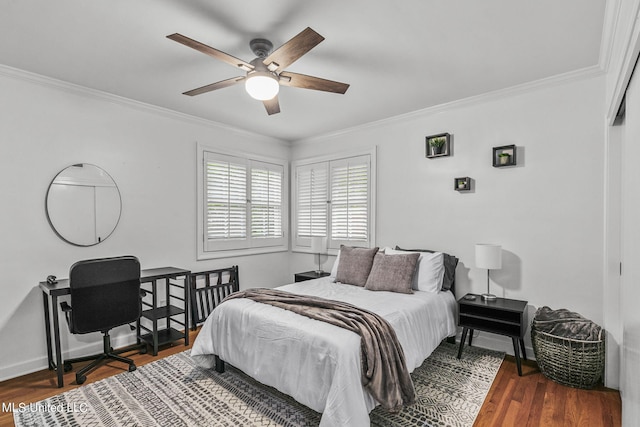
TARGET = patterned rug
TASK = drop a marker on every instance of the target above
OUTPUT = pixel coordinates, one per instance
(174, 392)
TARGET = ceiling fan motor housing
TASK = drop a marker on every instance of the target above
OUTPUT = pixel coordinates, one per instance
(261, 70)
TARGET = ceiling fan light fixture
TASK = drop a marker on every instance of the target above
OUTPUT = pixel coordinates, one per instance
(267, 70)
(262, 85)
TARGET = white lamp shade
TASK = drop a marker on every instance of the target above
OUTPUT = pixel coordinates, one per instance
(318, 244)
(262, 86)
(488, 256)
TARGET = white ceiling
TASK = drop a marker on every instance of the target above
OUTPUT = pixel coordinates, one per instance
(398, 56)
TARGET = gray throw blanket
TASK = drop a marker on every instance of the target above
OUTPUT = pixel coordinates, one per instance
(384, 371)
(566, 324)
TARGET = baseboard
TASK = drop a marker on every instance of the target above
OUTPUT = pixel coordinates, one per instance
(41, 363)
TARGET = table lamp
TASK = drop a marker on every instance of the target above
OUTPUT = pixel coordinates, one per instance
(490, 257)
(318, 246)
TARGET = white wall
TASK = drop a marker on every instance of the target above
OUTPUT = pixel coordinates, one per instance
(547, 213)
(150, 154)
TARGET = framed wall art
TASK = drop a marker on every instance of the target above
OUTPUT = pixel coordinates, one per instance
(438, 145)
(462, 184)
(504, 156)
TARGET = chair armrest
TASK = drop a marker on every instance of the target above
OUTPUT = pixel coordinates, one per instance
(65, 306)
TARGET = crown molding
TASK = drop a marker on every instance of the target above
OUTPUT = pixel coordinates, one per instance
(548, 82)
(73, 88)
(68, 87)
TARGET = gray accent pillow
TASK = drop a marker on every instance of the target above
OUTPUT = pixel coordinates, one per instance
(355, 265)
(450, 264)
(393, 273)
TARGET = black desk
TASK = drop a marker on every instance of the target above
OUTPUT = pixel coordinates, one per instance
(52, 292)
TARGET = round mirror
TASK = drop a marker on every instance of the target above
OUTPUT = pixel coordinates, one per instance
(83, 205)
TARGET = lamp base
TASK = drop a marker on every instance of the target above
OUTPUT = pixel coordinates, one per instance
(489, 297)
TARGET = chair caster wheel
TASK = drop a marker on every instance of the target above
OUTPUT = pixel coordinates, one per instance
(80, 379)
(143, 350)
(67, 367)
(132, 368)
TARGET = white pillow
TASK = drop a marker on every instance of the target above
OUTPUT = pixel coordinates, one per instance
(334, 269)
(429, 272)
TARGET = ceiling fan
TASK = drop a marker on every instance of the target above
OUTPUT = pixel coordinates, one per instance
(266, 73)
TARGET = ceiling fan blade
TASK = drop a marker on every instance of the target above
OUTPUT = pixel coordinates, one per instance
(309, 82)
(272, 105)
(215, 86)
(289, 52)
(208, 50)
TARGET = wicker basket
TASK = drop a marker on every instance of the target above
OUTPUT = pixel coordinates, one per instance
(569, 362)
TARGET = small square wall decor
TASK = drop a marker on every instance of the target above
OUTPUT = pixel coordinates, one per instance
(504, 156)
(438, 145)
(462, 183)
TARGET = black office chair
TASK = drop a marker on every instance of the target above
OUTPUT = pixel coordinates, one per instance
(105, 293)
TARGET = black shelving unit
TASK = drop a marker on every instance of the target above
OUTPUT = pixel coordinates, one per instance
(174, 313)
(504, 156)
(308, 275)
(462, 183)
(499, 316)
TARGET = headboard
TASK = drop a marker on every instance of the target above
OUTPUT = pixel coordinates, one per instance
(450, 264)
(208, 289)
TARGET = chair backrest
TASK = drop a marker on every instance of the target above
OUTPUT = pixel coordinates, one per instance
(210, 287)
(105, 293)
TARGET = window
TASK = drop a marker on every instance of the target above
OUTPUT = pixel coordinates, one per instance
(312, 200)
(266, 202)
(350, 200)
(242, 205)
(334, 197)
(226, 198)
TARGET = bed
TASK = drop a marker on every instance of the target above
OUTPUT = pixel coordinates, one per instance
(316, 363)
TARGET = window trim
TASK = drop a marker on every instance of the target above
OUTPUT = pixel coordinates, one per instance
(201, 252)
(371, 152)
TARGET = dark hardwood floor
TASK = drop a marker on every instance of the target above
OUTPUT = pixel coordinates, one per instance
(530, 400)
(534, 400)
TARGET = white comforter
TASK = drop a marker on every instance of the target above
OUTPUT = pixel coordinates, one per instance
(316, 363)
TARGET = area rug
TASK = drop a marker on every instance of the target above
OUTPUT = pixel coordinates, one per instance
(174, 392)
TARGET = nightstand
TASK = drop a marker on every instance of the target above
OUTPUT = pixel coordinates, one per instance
(500, 316)
(308, 275)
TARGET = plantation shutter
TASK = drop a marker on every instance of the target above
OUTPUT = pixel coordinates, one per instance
(350, 201)
(226, 201)
(266, 204)
(311, 205)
